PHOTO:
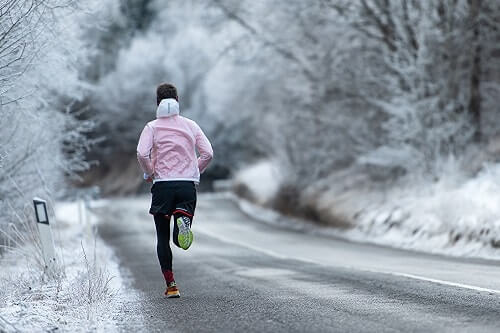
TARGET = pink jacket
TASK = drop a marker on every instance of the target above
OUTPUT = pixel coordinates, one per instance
(167, 146)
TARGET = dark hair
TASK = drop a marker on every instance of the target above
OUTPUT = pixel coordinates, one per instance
(166, 90)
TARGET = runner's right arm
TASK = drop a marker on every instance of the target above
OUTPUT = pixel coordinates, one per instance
(144, 148)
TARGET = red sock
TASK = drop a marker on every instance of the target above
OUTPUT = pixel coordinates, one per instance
(169, 276)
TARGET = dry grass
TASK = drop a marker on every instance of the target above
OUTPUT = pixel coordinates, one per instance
(22, 237)
(78, 289)
(93, 283)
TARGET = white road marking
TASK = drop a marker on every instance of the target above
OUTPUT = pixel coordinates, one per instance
(443, 282)
(399, 274)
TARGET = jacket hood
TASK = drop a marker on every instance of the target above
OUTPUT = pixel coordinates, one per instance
(167, 108)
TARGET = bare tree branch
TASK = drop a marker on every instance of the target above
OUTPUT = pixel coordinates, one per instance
(285, 53)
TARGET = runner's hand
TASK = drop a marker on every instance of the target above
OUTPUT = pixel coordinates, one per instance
(147, 178)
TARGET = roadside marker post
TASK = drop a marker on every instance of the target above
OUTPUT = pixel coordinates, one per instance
(79, 204)
(87, 218)
(42, 218)
(84, 217)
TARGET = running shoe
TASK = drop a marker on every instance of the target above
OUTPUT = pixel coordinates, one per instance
(185, 236)
(172, 290)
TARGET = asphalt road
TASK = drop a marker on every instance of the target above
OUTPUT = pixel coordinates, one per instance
(242, 275)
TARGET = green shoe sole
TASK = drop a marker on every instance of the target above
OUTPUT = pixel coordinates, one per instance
(185, 236)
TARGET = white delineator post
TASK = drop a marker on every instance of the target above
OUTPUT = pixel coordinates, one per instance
(42, 218)
(80, 211)
(88, 222)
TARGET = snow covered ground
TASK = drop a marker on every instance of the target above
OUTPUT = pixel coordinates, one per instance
(453, 216)
(261, 179)
(89, 294)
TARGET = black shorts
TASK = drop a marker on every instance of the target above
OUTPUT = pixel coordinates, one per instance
(171, 196)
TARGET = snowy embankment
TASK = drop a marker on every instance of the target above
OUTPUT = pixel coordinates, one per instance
(454, 216)
(87, 292)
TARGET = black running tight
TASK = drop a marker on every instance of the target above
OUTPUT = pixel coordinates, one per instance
(162, 223)
(163, 249)
(177, 198)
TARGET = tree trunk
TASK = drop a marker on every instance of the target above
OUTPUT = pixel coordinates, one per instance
(474, 107)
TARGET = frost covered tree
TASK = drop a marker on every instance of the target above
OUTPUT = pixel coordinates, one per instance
(41, 141)
(123, 98)
(379, 88)
(314, 108)
(427, 55)
(369, 88)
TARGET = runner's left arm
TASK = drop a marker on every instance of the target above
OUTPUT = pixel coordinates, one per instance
(204, 148)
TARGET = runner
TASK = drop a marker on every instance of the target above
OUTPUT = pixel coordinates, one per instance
(167, 154)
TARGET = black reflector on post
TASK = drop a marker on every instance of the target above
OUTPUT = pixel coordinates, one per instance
(41, 210)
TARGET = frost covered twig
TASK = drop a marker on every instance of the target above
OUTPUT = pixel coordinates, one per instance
(9, 324)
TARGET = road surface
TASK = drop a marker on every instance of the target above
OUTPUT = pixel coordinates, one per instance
(242, 275)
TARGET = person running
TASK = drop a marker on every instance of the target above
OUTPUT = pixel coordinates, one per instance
(167, 155)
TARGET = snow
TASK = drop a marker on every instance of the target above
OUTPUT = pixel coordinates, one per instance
(261, 178)
(32, 302)
(455, 215)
